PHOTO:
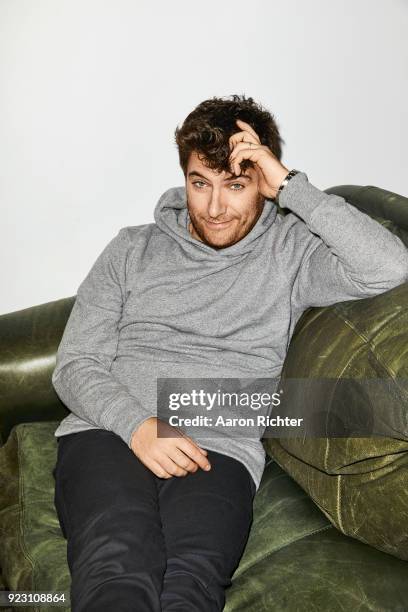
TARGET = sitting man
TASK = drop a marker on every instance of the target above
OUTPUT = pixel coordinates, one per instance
(212, 289)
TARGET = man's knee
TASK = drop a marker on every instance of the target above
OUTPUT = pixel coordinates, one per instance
(199, 579)
(115, 559)
(125, 533)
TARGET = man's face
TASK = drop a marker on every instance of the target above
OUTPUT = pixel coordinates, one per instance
(222, 208)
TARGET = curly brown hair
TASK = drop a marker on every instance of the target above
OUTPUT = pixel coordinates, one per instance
(208, 127)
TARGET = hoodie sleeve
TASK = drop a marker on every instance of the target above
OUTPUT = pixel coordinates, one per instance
(349, 255)
(82, 377)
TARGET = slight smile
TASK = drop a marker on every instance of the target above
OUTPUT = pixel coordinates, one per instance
(218, 225)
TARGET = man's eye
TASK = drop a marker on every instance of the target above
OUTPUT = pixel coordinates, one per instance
(232, 185)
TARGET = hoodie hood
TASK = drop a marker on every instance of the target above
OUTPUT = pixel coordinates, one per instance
(172, 217)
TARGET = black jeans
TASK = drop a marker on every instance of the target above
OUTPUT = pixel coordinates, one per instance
(143, 543)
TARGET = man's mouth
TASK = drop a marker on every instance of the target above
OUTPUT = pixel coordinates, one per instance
(218, 224)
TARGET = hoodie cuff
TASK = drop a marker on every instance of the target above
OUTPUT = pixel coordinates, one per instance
(125, 420)
(301, 197)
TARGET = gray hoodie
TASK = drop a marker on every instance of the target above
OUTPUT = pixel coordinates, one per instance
(159, 303)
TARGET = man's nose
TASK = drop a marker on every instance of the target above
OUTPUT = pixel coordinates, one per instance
(217, 206)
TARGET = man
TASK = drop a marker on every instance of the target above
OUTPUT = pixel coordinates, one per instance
(213, 288)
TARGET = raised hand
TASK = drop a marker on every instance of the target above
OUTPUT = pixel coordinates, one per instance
(245, 144)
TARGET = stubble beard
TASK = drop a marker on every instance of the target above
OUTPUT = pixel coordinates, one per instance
(228, 241)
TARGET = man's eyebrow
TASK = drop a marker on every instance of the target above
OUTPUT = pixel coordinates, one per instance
(231, 178)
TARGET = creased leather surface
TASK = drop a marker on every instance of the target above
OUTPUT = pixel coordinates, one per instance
(33, 550)
(360, 483)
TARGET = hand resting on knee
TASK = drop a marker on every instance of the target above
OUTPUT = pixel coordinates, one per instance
(175, 455)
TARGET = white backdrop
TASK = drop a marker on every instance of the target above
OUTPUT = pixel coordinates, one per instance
(92, 90)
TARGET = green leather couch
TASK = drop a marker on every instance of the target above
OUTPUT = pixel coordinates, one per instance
(330, 527)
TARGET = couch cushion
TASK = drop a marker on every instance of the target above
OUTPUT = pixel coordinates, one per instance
(290, 540)
(323, 572)
(32, 548)
(361, 484)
